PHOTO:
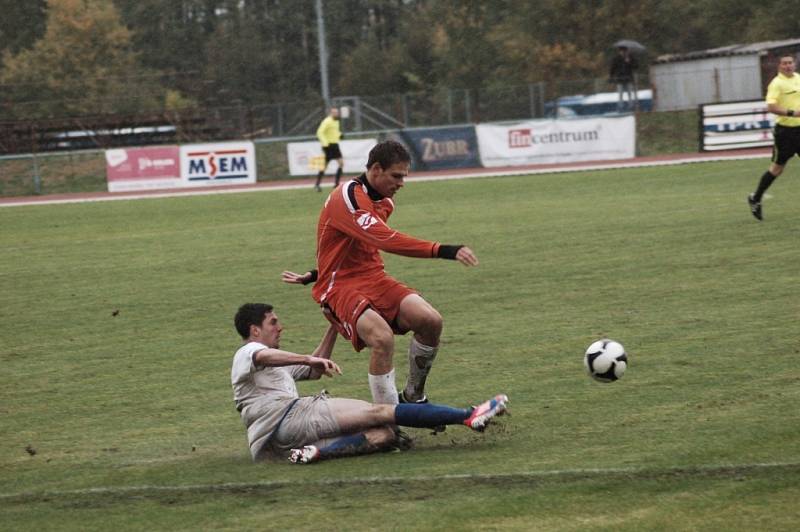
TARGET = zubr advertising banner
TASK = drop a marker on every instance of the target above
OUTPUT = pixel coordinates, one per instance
(194, 165)
(143, 168)
(557, 141)
(441, 148)
(735, 125)
(306, 158)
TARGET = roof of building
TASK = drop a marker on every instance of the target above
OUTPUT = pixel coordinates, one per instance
(733, 49)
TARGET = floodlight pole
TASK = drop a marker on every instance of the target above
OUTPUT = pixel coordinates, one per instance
(323, 54)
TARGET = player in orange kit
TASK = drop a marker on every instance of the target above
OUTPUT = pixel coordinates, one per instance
(367, 305)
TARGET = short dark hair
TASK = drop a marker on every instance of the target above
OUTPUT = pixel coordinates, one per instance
(250, 314)
(387, 153)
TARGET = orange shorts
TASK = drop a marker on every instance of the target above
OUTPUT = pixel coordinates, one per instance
(347, 302)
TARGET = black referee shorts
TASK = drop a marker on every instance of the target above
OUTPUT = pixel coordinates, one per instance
(332, 152)
(787, 144)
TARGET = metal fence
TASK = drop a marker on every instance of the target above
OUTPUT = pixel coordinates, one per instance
(75, 160)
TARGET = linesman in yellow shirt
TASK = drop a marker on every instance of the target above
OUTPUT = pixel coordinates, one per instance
(329, 135)
(783, 99)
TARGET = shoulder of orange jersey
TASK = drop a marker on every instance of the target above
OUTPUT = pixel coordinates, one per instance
(353, 194)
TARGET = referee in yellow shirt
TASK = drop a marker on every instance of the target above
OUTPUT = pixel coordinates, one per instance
(783, 99)
(329, 135)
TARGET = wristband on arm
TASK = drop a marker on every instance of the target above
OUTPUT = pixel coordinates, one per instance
(313, 278)
(448, 251)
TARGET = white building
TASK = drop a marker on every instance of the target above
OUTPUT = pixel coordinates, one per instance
(727, 74)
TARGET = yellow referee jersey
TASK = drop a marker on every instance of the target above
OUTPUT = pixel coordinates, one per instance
(328, 131)
(785, 91)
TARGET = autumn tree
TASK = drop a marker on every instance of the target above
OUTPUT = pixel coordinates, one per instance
(119, 56)
(83, 64)
(21, 23)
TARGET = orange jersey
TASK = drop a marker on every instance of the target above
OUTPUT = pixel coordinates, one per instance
(351, 231)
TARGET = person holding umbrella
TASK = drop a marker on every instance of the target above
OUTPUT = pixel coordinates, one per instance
(623, 72)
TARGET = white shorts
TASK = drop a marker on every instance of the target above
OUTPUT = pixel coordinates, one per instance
(309, 421)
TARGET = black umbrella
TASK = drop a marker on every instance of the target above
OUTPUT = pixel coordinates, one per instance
(633, 46)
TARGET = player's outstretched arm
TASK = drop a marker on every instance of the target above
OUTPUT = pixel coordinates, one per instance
(277, 357)
(271, 357)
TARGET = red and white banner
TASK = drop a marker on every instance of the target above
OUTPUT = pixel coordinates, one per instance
(557, 141)
(143, 168)
(194, 165)
(306, 158)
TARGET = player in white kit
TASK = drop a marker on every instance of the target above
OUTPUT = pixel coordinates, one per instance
(307, 429)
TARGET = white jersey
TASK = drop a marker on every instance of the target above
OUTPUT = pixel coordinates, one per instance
(262, 394)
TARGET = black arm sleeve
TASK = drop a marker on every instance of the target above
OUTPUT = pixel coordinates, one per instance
(448, 251)
(313, 278)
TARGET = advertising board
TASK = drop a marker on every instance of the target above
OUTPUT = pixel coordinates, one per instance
(441, 148)
(306, 158)
(192, 165)
(735, 125)
(557, 141)
(154, 167)
(219, 163)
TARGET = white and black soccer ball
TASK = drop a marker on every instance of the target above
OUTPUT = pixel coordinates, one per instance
(605, 360)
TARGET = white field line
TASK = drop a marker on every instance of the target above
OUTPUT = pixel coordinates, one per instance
(555, 474)
(522, 170)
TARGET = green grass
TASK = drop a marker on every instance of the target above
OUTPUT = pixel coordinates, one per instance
(661, 133)
(116, 339)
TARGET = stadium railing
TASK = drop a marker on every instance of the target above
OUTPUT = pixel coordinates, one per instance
(66, 155)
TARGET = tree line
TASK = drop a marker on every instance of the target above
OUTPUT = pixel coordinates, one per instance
(79, 57)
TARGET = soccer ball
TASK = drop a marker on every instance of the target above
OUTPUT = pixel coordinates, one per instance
(605, 360)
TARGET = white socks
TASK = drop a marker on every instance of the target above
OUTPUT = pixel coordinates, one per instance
(383, 388)
(420, 360)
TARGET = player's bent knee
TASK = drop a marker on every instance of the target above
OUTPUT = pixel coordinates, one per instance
(429, 324)
(382, 342)
(435, 320)
(382, 413)
(375, 332)
(419, 316)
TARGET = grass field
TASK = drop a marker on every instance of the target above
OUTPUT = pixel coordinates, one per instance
(116, 340)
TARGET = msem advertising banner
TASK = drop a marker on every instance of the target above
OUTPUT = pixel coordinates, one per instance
(557, 141)
(735, 125)
(222, 163)
(194, 165)
(306, 158)
(149, 168)
(441, 148)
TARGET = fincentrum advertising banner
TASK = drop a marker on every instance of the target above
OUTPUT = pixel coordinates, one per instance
(557, 141)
